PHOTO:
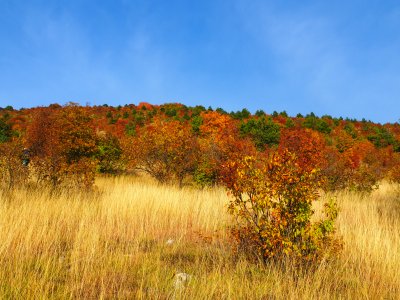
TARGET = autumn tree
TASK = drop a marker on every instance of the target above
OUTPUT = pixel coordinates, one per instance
(357, 168)
(220, 142)
(351, 154)
(62, 145)
(394, 171)
(309, 147)
(342, 139)
(166, 150)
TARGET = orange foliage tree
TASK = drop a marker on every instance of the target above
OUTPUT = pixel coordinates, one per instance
(351, 154)
(166, 150)
(62, 145)
(394, 171)
(342, 139)
(309, 147)
(359, 167)
(219, 142)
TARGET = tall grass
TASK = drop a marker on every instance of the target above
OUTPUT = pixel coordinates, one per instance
(112, 244)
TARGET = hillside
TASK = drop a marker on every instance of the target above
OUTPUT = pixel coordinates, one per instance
(189, 144)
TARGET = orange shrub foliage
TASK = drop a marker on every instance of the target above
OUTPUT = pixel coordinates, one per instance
(394, 171)
(359, 167)
(62, 145)
(166, 150)
(272, 205)
(219, 142)
(309, 147)
(351, 154)
(13, 172)
(343, 140)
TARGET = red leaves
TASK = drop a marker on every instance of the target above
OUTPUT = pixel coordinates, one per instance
(195, 142)
(164, 149)
(309, 147)
(62, 145)
(220, 142)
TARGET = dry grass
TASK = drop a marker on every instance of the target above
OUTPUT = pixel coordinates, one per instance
(112, 244)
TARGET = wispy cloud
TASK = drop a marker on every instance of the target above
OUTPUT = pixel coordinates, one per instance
(331, 72)
(58, 59)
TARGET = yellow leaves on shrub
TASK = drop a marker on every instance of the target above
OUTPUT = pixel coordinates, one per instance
(272, 206)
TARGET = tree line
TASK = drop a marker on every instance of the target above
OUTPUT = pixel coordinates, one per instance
(68, 145)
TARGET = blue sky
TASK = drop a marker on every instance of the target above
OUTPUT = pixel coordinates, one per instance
(328, 57)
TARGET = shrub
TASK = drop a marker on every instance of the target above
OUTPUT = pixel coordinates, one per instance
(62, 147)
(205, 174)
(272, 205)
(394, 173)
(166, 151)
(109, 153)
(13, 171)
(358, 168)
(308, 146)
(5, 130)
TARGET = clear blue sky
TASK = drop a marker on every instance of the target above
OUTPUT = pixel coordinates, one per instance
(330, 57)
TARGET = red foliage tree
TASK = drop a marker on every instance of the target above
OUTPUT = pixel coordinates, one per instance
(308, 145)
(62, 145)
(166, 150)
(219, 142)
(357, 168)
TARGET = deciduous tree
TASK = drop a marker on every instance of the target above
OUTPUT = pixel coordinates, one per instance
(166, 150)
(62, 145)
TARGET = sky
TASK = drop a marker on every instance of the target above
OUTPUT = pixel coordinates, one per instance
(340, 58)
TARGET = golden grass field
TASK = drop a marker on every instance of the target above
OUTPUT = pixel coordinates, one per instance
(111, 244)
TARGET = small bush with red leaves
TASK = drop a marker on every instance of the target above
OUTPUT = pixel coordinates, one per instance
(272, 204)
(359, 168)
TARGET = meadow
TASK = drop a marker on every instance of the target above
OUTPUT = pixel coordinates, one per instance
(131, 236)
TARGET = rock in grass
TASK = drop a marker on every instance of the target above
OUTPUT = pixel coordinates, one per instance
(182, 280)
(169, 242)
